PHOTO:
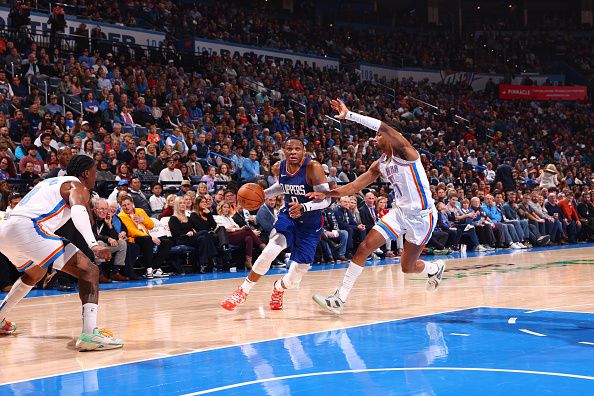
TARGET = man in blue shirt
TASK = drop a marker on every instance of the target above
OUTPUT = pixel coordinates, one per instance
(495, 215)
(250, 170)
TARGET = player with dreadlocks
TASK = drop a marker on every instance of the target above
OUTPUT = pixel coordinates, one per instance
(28, 240)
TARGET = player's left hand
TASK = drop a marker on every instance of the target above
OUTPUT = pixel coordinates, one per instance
(295, 210)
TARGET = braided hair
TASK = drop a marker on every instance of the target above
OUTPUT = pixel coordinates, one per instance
(78, 164)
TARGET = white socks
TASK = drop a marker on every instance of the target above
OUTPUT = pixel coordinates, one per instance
(89, 313)
(430, 267)
(247, 285)
(16, 294)
(350, 277)
(278, 285)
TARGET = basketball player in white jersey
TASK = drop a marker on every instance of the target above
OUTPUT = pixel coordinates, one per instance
(28, 240)
(414, 212)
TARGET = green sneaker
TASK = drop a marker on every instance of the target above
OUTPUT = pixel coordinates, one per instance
(7, 327)
(101, 339)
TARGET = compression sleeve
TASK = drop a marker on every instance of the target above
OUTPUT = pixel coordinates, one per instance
(369, 122)
(318, 204)
(273, 191)
(80, 218)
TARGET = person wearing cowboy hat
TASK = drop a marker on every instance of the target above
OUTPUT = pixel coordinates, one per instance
(549, 178)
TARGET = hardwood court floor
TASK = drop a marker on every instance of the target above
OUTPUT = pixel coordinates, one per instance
(181, 318)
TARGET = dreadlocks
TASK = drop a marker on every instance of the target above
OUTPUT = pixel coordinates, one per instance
(78, 164)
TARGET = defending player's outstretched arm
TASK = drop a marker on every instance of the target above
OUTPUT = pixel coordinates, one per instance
(399, 144)
(353, 187)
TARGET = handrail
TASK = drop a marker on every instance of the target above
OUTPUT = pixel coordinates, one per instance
(214, 155)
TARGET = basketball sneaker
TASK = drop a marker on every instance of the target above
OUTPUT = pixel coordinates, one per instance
(7, 327)
(331, 303)
(434, 279)
(238, 297)
(276, 299)
(101, 339)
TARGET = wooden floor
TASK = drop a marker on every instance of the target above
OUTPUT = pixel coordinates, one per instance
(168, 320)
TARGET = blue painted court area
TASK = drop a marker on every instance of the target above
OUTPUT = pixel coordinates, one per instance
(475, 351)
(277, 271)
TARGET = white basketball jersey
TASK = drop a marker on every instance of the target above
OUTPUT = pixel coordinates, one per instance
(45, 205)
(409, 181)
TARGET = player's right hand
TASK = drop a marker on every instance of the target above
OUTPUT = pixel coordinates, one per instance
(102, 252)
(339, 107)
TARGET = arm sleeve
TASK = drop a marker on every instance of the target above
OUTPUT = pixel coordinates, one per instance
(318, 204)
(80, 218)
(273, 191)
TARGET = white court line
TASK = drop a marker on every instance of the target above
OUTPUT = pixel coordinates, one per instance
(242, 344)
(534, 333)
(324, 373)
(512, 320)
(586, 343)
(460, 334)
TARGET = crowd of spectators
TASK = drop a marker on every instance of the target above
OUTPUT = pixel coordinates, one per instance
(173, 145)
(488, 50)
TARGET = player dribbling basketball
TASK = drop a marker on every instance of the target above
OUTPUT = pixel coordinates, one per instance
(298, 227)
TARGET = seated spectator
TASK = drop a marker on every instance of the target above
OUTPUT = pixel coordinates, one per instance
(210, 178)
(536, 224)
(13, 200)
(169, 203)
(106, 235)
(333, 236)
(32, 158)
(138, 225)
(495, 215)
(140, 200)
(156, 200)
(240, 236)
(267, 216)
(177, 142)
(183, 233)
(346, 221)
(203, 220)
(572, 219)
(250, 168)
(194, 167)
(485, 229)
(585, 210)
(553, 227)
(170, 174)
(223, 174)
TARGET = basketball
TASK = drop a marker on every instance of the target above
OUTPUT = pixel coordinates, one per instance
(250, 196)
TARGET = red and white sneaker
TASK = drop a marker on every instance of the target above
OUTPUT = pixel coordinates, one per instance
(276, 299)
(238, 297)
(7, 327)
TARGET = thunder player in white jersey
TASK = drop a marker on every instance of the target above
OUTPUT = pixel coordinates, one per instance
(414, 213)
(28, 240)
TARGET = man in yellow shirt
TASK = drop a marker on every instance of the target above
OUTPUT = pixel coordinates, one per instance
(154, 250)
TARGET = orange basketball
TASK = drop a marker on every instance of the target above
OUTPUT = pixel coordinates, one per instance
(250, 196)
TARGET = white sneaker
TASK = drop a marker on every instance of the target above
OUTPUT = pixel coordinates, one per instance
(521, 245)
(100, 339)
(331, 303)
(480, 248)
(158, 273)
(433, 281)
(149, 273)
(378, 251)
(515, 246)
